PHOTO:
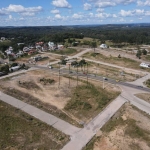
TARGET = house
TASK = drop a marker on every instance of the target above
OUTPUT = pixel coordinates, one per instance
(3, 38)
(60, 46)
(145, 65)
(26, 49)
(20, 44)
(103, 46)
(39, 43)
(20, 53)
(9, 50)
(51, 45)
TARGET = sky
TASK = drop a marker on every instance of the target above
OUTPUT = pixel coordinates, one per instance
(73, 12)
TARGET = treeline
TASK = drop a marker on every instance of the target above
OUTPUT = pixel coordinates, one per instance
(133, 34)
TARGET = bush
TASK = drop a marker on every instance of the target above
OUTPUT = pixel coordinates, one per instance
(4, 69)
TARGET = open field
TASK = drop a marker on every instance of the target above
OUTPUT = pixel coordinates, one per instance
(106, 71)
(123, 61)
(49, 58)
(144, 96)
(66, 51)
(88, 100)
(41, 88)
(129, 129)
(18, 130)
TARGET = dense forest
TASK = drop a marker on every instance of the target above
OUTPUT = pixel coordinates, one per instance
(121, 33)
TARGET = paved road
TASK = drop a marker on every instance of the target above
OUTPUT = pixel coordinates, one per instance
(81, 138)
(128, 94)
(41, 115)
(17, 72)
(99, 78)
(112, 65)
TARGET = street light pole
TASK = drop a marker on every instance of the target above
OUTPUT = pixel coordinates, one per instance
(103, 82)
(69, 75)
(59, 74)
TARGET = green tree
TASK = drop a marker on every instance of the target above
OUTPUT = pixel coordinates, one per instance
(144, 52)
(93, 45)
(4, 68)
(138, 54)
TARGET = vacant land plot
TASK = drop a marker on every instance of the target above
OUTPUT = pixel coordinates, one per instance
(60, 96)
(123, 61)
(88, 100)
(66, 51)
(129, 129)
(21, 131)
(46, 58)
(106, 71)
(40, 88)
(144, 96)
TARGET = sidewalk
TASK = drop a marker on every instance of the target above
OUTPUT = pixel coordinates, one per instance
(39, 114)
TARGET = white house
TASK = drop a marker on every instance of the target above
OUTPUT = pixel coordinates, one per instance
(3, 38)
(9, 50)
(145, 65)
(51, 45)
(60, 46)
(103, 46)
(26, 49)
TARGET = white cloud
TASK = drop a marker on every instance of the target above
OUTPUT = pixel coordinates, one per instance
(141, 3)
(100, 10)
(147, 13)
(110, 3)
(58, 16)
(114, 16)
(135, 12)
(28, 13)
(91, 14)
(87, 6)
(122, 20)
(104, 4)
(21, 19)
(61, 3)
(55, 11)
(77, 16)
(10, 16)
(2, 12)
(21, 10)
(102, 15)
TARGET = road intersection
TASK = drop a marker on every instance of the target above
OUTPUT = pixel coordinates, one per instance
(79, 137)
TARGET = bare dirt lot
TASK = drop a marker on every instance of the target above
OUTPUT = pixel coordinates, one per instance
(41, 88)
(50, 58)
(129, 129)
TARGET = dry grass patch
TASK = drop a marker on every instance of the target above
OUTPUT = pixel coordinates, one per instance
(124, 62)
(20, 131)
(144, 96)
(88, 100)
(128, 129)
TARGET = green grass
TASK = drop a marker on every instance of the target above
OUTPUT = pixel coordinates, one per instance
(18, 130)
(148, 83)
(88, 100)
(124, 62)
(66, 51)
(147, 57)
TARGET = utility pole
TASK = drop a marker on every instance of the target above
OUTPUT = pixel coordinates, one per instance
(87, 74)
(69, 75)
(59, 73)
(77, 75)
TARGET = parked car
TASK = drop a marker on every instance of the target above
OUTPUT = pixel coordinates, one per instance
(3, 73)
